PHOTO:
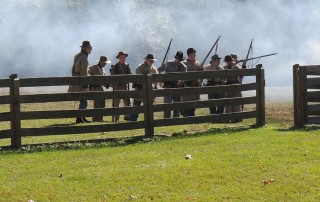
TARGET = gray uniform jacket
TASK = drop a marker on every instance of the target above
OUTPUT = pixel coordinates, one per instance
(216, 80)
(171, 66)
(80, 68)
(144, 69)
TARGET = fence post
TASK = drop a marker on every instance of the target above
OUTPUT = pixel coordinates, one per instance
(296, 95)
(15, 111)
(303, 96)
(148, 114)
(261, 118)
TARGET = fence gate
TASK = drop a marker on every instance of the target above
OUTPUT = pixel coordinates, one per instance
(306, 91)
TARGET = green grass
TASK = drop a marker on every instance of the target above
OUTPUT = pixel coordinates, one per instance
(228, 165)
(230, 162)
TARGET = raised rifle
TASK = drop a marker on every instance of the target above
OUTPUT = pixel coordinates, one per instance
(262, 56)
(215, 43)
(250, 47)
(165, 56)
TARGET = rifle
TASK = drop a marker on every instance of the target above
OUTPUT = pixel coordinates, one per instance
(250, 47)
(164, 59)
(215, 43)
(262, 56)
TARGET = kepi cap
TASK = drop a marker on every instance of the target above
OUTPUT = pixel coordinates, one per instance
(179, 56)
(228, 58)
(215, 57)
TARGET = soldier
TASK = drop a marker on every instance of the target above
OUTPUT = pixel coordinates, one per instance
(232, 80)
(144, 68)
(175, 65)
(98, 70)
(119, 69)
(192, 65)
(215, 65)
(80, 68)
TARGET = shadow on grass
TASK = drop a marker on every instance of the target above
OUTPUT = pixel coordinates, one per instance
(117, 142)
(302, 128)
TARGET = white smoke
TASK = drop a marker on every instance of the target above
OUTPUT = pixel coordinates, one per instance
(40, 37)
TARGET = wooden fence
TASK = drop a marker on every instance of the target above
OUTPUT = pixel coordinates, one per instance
(147, 93)
(306, 85)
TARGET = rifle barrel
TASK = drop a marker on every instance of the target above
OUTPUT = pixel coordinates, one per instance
(215, 43)
(164, 59)
(262, 56)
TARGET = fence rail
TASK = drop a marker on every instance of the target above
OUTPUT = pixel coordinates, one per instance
(306, 82)
(17, 115)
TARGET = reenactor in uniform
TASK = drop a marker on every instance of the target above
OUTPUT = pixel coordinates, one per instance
(175, 65)
(232, 80)
(192, 65)
(120, 68)
(215, 65)
(80, 68)
(98, 70)
(144, 68)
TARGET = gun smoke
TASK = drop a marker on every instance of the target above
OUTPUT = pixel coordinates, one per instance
(39, 38)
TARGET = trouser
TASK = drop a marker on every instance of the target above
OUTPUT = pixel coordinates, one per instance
(233, 108)
(83, 105)
(171, 99)
(116, 102)
(216, 109)
(98, 103)
(134, 117)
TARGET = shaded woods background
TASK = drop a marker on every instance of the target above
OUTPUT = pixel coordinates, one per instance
(40, 37)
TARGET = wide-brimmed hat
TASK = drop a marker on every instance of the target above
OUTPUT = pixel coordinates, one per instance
(150, 56)
(104, 59)
(122, 53)
(85, 44)
(191, 50)
(179, 56)
(214, 57)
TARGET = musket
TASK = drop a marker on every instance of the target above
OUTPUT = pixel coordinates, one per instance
(215, 43)
(250, 47)
(165, 56)
(262, 56)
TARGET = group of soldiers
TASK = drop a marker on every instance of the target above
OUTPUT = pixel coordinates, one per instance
(178, 64)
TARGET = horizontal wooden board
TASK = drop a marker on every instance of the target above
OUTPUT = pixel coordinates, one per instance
(82, 129)
(81, 96)
(204, 90)
(6, 116)
(6, 99)
(203, 74)
(313, 96)
(313, 83)
(313, 109)
(313, 120)
(205, 103)
(80, 80)
(205, 119)
(80, 113)
(312, 69)
(5, 134)
(5, 83)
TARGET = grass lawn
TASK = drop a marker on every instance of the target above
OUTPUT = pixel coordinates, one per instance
(229, 163)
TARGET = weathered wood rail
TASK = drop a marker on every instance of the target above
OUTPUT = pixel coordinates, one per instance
(306, 91)
(17, 115)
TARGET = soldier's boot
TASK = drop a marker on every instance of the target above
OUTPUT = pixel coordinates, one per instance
(79, 120)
